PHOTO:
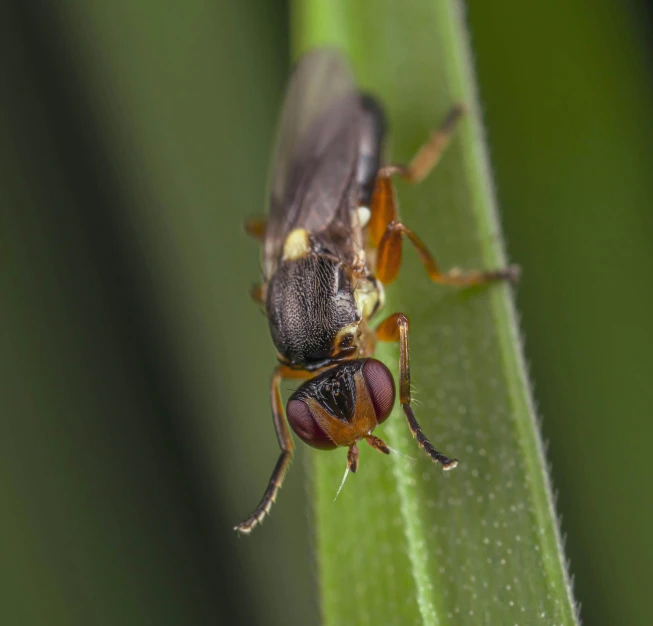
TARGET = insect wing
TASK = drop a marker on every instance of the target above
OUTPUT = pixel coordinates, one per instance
(313, 176)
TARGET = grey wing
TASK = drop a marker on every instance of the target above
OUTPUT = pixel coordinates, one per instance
(312, 182)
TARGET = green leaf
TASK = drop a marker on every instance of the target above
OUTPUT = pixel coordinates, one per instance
(406, 543)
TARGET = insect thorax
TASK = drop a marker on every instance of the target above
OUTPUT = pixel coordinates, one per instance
(309, 301)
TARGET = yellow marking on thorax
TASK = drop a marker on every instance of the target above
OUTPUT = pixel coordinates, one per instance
(369, 298)
(297, 245)
(350, 329)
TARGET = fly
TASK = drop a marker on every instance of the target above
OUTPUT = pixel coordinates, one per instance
(331, 240)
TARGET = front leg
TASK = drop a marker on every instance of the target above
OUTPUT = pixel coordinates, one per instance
(280, 469)
(255, 227)
(395, 328)
(256, 293)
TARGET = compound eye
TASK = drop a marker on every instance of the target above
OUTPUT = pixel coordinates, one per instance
(306, 427)
(381, 387)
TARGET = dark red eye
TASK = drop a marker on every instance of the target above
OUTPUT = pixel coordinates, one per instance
(306, 428)
(381, 387)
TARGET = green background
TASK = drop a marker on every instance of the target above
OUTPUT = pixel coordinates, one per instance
(134, 138)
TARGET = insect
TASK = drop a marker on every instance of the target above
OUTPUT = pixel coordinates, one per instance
(331, 240)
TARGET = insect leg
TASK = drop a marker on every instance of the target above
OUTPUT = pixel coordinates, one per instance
(429, 154)
(389, 261)
(395, 328)
(383, 204)
(386, 231)
(383, 208)
(255, 227)
(256, 292)
(286, 445)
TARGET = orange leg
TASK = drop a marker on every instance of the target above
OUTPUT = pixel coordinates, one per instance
(429, 154)
(255, 227)
(383, 204)
(286, 445)
(256, 292)
(395, 328)
(383, 208)
(386, 231)
(389, 260)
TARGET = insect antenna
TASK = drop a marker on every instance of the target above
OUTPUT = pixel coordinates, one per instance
(405, 456)
(344, 478)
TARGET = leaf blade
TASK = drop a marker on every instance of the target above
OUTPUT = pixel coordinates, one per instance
(480, 543)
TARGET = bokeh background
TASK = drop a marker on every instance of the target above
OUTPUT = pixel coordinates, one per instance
(134, 139)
